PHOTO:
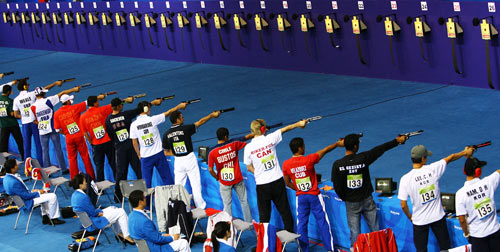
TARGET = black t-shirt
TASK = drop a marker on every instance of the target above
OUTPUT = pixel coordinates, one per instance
(118, 126)
(178, 139)
(351, 176)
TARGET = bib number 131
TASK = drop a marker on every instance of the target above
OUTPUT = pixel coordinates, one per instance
(268, 162)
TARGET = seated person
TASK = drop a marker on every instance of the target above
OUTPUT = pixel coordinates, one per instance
(220, 234)
(143, 228)
(80, 202)
(14, 185)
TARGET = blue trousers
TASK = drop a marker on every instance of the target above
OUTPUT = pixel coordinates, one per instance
(306, 204)
(56, 141)
(29, 130)
(160, 162)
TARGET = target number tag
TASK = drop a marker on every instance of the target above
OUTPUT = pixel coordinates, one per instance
(73, 128)
(43, 125)
(99, 132)
(122, 135)
(3, 112)
(484, 208)
(221, 4)
(335, 6)
(82, 5)
(285, 5)
(428, 194)
(202, 4)
(304, 184)
(262, 4)
(456, 6)
(361, 5)
(491, 7)
(242, 5)
(180, 147)
(227, 174)
(268, 163)
(167, 4)
(108, 5)
(95, 5)
(423, 6)
(354, 181)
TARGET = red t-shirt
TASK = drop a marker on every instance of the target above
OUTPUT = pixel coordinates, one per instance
(93, 122)
(226, 161)
(301, 171)
(67, 119)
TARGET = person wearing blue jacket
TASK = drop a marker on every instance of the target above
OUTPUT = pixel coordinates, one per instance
(81, 202)
(14, 185)
(219, 237)
(143, 228)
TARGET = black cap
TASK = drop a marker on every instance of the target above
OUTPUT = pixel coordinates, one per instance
(471, 164)
(115, 102)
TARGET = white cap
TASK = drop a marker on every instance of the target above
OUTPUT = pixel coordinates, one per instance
(64, 98)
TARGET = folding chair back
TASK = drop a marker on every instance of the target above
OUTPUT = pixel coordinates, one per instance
(18, 201)
(84, 219)
(128, 186)
(45, 177)
(35, 163)
(142, 245)
(2, 160)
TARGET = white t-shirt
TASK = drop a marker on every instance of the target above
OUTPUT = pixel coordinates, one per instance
(261, 153)
(422, 186)
(44, 112)
(22, 103)
(145, 130)
(476, 200)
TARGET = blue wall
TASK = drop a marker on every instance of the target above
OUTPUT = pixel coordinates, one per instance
(134, 42)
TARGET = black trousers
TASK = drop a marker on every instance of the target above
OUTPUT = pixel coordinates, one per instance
(440, 230)
(275, 192)
(125, 155)
(489, 243)
(4, 139)
(99, 152)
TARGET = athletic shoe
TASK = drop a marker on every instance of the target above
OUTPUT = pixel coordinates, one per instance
(45, 220)
(58, 221)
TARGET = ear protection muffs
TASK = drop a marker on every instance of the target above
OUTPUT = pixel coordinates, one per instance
(477, 172)
(263, 128)
(145, 109)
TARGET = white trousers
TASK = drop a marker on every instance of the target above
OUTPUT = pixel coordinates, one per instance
(187, 166)
(118, 218)
(180, 245)
(49, 205)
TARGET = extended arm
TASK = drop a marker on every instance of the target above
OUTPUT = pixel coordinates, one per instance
(56, 83)
(68, 91)
(329, 148)
(181, 105)
(466, 152)
(205, 119)
(300, 124)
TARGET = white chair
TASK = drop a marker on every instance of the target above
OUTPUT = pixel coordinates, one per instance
(101, 188)
(20, 204)
(56, 182)
(142, 245)
(241, 226)
(87, 222)
(198, 214)
(287, 237)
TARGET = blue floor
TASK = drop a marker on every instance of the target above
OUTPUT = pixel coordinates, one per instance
(451, 116)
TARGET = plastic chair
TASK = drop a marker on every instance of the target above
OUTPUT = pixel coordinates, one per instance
(20, 204)
(241, 226)
(101, 187)
(198, 214)
(142, 245)
(128, 186)
(56, 182)
(49, 170)
(87, 222)
(287, 237)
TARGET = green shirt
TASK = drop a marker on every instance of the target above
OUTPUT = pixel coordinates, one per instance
(6, 120)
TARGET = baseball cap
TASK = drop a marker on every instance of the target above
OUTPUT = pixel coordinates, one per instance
(64, 98)
(419, 151)
(116, 101)
(40, 90)
(471, 164)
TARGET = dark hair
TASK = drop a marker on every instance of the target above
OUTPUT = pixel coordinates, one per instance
(91, 100)
(135, 197)
(141, 105)
(76, 181)
(295, 144)
(116, 102)
(6, 89)
(416, 160)
(219, 231)
(21, 84)
(9, 165)
(350, 141)
(174, 116)
(222, 133)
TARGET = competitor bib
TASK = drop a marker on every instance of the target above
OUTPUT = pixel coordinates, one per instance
(73, 128)
(99, 132)
(26, 112)
(122, 135)
(304, 184)
(148, 139)
(3, 112)
(483, 208)
(43, 125)
(227, 174)
(354, 181)
(428, 194)
(180, 147)
(268, 163)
